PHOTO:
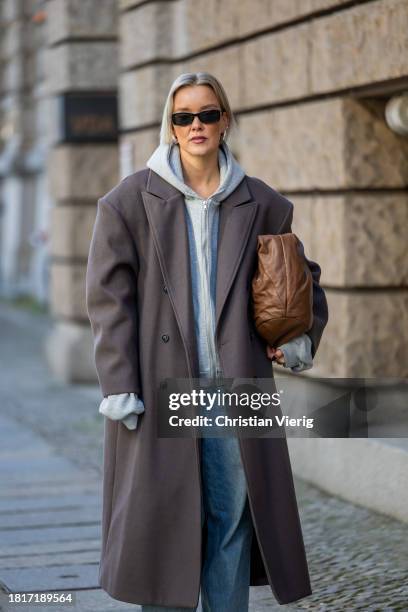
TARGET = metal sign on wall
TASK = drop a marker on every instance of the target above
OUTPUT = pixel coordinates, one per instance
(88, 117)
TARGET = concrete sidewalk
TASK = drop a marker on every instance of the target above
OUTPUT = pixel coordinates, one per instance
(49, 522)
(50, 496)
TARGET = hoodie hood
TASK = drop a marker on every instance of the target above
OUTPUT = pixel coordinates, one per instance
(165, 161)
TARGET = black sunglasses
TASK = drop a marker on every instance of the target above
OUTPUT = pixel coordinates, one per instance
(207, 116)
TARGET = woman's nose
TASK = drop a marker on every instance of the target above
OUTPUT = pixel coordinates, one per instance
(196, 122)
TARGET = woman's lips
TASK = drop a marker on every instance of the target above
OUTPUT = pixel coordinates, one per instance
(198, 140)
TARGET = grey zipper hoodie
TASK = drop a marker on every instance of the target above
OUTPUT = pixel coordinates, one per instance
(202, 218)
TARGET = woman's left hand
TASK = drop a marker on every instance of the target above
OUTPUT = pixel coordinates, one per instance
(275, 354)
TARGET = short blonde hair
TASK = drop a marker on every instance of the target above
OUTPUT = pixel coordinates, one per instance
(193, 78)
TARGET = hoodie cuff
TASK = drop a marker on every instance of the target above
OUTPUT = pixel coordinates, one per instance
(131, 420)
(298, 353)
(123, 407)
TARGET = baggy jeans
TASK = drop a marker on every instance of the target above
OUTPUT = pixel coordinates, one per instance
(225, 572)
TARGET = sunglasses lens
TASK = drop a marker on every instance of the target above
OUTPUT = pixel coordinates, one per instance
(182, 118)
(210, 116)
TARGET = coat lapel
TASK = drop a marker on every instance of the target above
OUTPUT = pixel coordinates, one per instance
(165, 209)
(237, 215)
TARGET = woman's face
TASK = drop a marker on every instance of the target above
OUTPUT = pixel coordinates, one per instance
(193, 99)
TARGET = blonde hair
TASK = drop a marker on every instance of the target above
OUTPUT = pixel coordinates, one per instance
(193, 78)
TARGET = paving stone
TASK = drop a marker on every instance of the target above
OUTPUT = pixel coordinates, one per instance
(48, 548)
(51, 517)
(51, 534)
(46, 503)
(34, 468)
(40, 490)
(68, 577)
(57, 559)
(87, 600)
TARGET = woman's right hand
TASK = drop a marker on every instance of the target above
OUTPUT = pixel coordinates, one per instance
(275, 354)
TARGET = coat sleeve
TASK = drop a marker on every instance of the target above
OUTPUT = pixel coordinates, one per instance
(111, 302)
(320, 308)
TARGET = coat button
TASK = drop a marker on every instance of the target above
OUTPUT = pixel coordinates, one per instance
(164, 288)
(165, 338)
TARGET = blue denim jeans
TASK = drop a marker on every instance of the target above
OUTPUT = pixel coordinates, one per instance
(225, 571)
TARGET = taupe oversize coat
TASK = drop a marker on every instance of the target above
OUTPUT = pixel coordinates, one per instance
(138, 291)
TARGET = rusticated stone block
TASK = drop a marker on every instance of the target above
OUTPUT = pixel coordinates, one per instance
(142, 94)
(366, 335)
(359, 240)
(138, 147)
(72, 230)
(374, 154)
(76, 18)
(255, 15)
(12, 42)
(10, 10)
(82, 66)
(84, 172)
(69, 352)
(145, 33)
(329, 144)
(225, 65)
(344, 49)
(126, 4)
(13, 75)
(196, 30)
(275, 67)
(193, 29)
(68, 291)
(365, 44)
(340, 50)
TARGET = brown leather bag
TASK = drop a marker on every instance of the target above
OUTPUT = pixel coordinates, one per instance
(282, 289)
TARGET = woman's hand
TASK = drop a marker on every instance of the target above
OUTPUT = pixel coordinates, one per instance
(275, 354)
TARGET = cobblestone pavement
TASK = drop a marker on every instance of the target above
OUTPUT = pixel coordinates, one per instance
(358, 559)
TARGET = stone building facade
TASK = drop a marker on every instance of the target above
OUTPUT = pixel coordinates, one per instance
(24, 193)
(309, 82)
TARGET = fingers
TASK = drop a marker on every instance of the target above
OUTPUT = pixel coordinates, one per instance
(280, 357)
(270, 352)
(275, 354)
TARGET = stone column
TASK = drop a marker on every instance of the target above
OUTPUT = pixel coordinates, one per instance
(81, 59)
(21, 145)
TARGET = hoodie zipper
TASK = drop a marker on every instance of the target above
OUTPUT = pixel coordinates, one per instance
(207, 301)
(205, 254)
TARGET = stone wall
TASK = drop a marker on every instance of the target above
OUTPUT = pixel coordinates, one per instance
(81, 57)
(308, 81)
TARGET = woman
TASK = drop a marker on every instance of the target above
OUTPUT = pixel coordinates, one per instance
(170, 265)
